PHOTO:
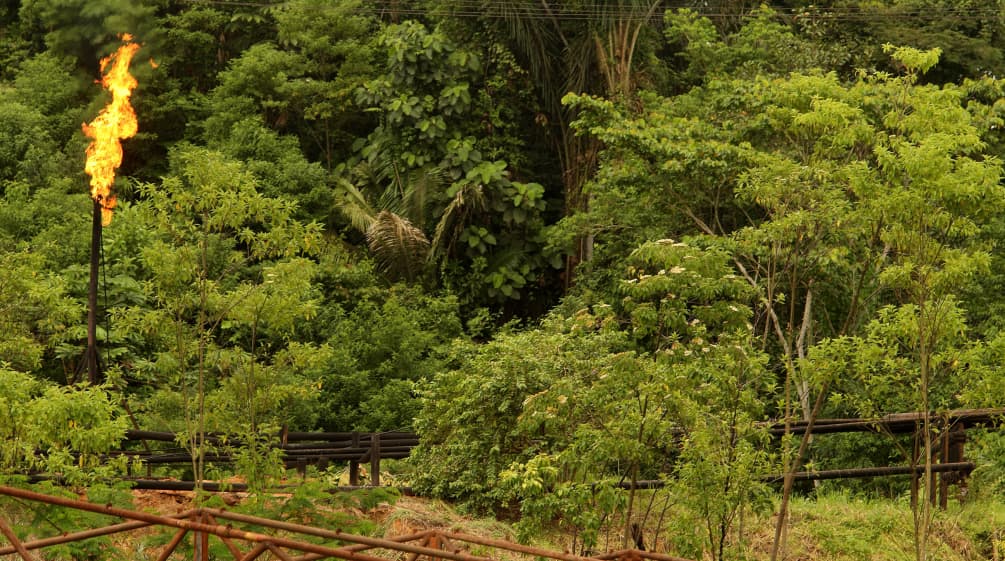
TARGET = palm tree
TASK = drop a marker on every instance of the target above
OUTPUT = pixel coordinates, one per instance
(578, 47)
(393, 223)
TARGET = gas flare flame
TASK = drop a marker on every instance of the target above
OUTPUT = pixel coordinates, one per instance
(115, 122)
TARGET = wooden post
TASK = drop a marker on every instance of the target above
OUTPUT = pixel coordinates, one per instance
(915, 477)
(933, 488)
(944, 478)
(375, 459)
(957, 438)
(353, 464)
(353, 473)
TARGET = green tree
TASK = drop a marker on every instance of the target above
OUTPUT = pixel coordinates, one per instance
(468, 422)
(227, 275)
(762, 46)
(27, 146)
(302, 81)
(35, 311)
(47, 85)
(425, 183)
(369, 381)
(337, 41)
(58, 429)
(567, 47)
(967, 32)
(78, 28)
(851, 196)
(579, 410)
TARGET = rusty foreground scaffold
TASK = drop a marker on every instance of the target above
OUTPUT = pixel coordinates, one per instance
(201, 523)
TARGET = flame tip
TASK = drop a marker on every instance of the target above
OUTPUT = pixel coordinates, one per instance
(115, 122)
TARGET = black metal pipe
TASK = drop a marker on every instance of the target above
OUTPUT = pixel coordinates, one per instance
(965, 467)
(93, 375)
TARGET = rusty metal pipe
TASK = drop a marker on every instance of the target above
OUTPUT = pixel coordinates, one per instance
(172, 545)
(279, 553)
(514, 547)
(634, 553)
(363, 547)
(234, 551)
(87, 534)
(8, 533)
(373, 542)
(260, 549)
(224, 531)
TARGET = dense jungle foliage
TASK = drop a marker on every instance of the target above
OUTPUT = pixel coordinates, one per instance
(572, 244)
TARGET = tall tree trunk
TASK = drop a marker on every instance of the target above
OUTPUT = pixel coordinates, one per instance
(579, 160)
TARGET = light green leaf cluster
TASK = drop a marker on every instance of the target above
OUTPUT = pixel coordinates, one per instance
(427, 171)
(228, 278)
(36, 314)
(60, 430)
(664, 384)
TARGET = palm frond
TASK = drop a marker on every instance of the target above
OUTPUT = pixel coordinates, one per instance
(469, 199)
(397, 246)
(410, 191)
(355, 207)
(537, 39)
(579, 60)
(423, 184)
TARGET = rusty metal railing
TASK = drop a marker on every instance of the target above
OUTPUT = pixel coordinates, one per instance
(244, 545)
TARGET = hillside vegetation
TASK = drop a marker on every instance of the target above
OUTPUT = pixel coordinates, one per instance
(574, 245)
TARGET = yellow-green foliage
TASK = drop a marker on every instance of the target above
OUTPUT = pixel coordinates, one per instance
(841, 528)
(59, 428)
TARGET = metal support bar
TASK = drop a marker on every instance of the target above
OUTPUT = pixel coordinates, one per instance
(336, 534)
(234, 551)
(200, 540)
(364, 547)
(435, 543)
(436, 547)
(636, 554)
(197, 526)
(172, 545)
(375, 460)
(86, 534)
(423, 543)
(259, 549)
(92, 296)
(8, 533)
(537, 551)
(282, 555)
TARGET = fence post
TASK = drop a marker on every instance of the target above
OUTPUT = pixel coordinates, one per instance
(200, 541)
(956, 439)
(375, 459)
(945, 477)
(915, 476)
(353, 464)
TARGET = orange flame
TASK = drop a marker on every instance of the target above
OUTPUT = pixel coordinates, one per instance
(115, 122)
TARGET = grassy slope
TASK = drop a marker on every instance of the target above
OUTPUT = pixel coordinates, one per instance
(839, 528)
(827, 528)
(831, 527)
